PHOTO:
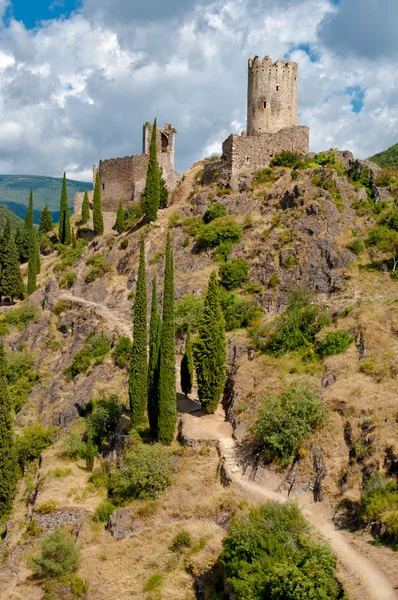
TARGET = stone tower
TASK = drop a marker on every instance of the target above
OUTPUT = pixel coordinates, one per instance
(272, 98)
(164, 144)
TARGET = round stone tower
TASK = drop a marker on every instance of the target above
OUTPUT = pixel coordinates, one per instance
(272, 99)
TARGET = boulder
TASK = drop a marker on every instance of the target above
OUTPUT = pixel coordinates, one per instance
(122, 525)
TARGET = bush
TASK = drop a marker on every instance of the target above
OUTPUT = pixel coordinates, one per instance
(124, 243)
(174, 220)
(21, 316)
(104, 511)
(215, 211)
(104, 418)
(73, 446)
(96, 347)
(20, 377)
(145, 473)
(238, 312)
(289, 262)
(58, 555)
(188, 312)
(335, 342)
(271, 553)
(287, 158)
(223, 229)
(357, 246)
(66, 587)
(263, 176)
(234, 273)
(122, 352)
(180, 541)
(62, 306)
(47, 507)
(379, 496)
(70, 254)
(386, 177)
(273, 281)
(132, 214)
(100, 265)
(286, 420)
(67, 279)
(32, 442)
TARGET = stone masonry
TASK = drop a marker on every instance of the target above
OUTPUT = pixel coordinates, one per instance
(124, 178)
(272, 122)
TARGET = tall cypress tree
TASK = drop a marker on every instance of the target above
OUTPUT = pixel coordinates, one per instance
(22, 244)
(46, 222)
(210, 350)
(8, 459)
(138, 377)
(38, 262)
(64, 217)
(164, 192)
(29, 214)
(153, 366)
(32, 266)
(85, 209)
(167, 415)
(152, 186)
(98, 219)
(11, 283)
(186, 371)
(120, 226)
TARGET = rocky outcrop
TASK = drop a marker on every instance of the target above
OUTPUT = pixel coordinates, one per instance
(121, 525)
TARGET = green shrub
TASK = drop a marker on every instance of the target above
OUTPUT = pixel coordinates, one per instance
(100, 265)
(145, 473)
(223, 229)
(104, 511)
(20, 377)
(272, 553)
(223, 251)
(335, 342)
(70, 254)
(273, 281)
(286, 420)
(96, 347)
(234, 273)
(289, 262)
(47, 507)
(188, 312)
(263, 176)
(192, 225)
(124, 243)
(386, 177)
(122, 352)
(379, 495)
(174, 220)
(158, 255)
(62, 306)
(287, 158)
(357, 246)
(132, 214)
(180, 541)
(66, 587)
(21, 316)
(154, 582)
(73, 446)
(215, 211)
(32, 442)
(185, 243)
(80, 364)
(104, 418)
(238, 312)
(293, 175)
(390, 520)
(58, 555)
(67, 279)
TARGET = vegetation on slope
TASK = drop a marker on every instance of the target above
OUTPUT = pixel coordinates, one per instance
(387, 158)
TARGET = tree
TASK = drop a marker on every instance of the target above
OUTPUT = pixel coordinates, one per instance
(167, 414)
(385, 239)
(22, 244)
(210, 350)
(46, 222)
(73, 238)
(8, 459)
(138, 378)
(153, 367)
(187, 366)
(164, 192)
(85, 209)
(58, 555)
(32, 266)
(29, 213)
(64, 217)
(152, 186)
(90, 454)
(11, 283)
(38, 264)
(120, 225)
(98, 219)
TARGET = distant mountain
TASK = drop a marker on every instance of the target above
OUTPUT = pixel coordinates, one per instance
(14, 193)
(5, 213)
(387, 158)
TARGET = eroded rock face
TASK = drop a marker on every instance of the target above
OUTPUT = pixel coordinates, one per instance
(122, 525)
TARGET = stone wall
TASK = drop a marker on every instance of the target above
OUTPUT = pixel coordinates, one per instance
(122, 179)
(78, 202)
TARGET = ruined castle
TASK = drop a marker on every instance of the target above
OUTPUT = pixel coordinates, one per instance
(124, 178)
(272, 122)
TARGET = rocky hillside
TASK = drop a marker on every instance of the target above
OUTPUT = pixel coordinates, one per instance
(301, 228)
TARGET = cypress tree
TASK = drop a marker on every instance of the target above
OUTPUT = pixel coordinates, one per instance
(38, 262)
(90, 454)
(138, 377)
(73, 238)
(29, 214)
(167, 414)
(85, 209)
(152, 185)
(98, 219)
(153, 367)
(164, 192)
(210, 350)
(46, 222)
(32, 267)
(64, 217)
(8, 458)
(11, 284)
(22, 244)
(186, 371)
(120, 226)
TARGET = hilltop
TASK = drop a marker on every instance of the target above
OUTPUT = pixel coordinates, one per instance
(387, 158)
(14, 193)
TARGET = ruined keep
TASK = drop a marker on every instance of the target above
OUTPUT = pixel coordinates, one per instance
(272, 122)
(124, 178)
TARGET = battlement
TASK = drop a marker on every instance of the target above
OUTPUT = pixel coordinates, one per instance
(256, 63)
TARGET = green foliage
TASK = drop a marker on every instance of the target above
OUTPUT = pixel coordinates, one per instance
(22, 243)
(96, 347)
(64, 232)
(215, 211)
(85, 216)
(138, 377)
(188, 312)
(387, 158)
(154, 362)
(122, 352)
(11, 283)
(8, 456)
(61, 306)
(70, 255)
(223, 250)
(385, 240)
(103, 420)
(284, 421)
(163, 190)
(186, 372)
(154, 582)
(58, 555)
(29, 213)
(132, 214)
(37, 249)
(174, 220)
(264, 176)
(73, 446)
(357, 246)
(98, 219)
(21, 316)
(335, 342)
(20, 377)
(145, 472)
(100, 265)
(32, 264)
(386, 177)
(66, 587)
(34, 439)
(120, 225)
(151, 194)
(233, 274)
(91, 451)
(104, 511)
(273, 281)
(379, 496)
(271, 553)
(223, 229)
(289, 262)
(124, 243)
(287, 158)
(68, 279)
(238, 312)
(180, 541)
(46, 222)
(210, 350)
(167, 402)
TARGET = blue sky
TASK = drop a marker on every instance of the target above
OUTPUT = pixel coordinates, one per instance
(78, 79)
